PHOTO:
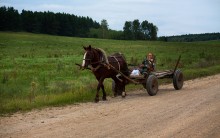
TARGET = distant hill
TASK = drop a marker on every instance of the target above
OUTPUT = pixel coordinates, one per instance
(191, 37)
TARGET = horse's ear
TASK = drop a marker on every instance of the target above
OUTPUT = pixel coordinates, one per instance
(90, 47)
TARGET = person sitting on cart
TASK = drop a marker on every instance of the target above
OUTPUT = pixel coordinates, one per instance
(148, 64)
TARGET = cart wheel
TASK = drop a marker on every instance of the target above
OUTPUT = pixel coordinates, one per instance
(178, 80)
(152, 85)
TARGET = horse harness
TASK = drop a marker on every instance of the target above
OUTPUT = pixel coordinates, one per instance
(107, 65)
(119, 67)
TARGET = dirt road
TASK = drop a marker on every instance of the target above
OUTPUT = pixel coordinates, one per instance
(193, 111)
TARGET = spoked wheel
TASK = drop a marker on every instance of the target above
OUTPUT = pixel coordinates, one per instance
(152, 85)
(178, 80)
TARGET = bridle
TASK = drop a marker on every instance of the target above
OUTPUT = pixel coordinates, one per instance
(90, 61)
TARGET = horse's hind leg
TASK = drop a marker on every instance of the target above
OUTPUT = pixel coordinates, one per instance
(123, 91)
(98, 88)
(115, 85)
(104, 93)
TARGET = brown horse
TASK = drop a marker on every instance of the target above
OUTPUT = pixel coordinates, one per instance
(102, 67)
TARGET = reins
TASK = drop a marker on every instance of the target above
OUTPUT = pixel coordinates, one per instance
(93, 62)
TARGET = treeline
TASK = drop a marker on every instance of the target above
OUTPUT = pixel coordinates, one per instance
(140, 31)
(132, 30)
(191, 37)
(72, 25)
(45, 22)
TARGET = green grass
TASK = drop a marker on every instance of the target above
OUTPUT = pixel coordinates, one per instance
(39, 70)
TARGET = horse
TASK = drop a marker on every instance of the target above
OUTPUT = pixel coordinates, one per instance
(103, 67)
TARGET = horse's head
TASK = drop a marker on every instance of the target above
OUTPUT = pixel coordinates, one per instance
(88, 57)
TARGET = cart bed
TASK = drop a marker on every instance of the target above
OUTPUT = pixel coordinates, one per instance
(158, 74)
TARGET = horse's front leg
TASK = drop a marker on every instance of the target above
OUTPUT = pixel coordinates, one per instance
(98, 88)
(104, 93)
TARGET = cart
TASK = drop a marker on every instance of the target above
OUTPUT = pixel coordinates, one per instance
(150, 79)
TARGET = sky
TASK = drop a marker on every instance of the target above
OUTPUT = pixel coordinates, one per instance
(172, 17)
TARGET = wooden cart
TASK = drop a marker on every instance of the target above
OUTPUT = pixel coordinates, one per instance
(150, 79)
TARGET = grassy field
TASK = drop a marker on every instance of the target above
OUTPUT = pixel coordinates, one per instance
(39, 70)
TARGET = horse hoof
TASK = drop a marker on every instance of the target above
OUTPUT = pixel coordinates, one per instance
(96, 100)
(123, 94)
(104, 99)
(115, 95)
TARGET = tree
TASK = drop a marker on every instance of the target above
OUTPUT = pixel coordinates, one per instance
(136, 29)
(10, 19)
(104, 26)
(27, 20)
(128, 35)
(3, 17)
(145, 29)
(152, 31)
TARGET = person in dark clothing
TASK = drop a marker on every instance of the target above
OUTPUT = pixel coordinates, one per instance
(148, 64)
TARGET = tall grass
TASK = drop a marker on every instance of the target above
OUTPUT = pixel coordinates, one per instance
(39, 70)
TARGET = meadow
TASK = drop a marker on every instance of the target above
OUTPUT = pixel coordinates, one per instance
(39, 70)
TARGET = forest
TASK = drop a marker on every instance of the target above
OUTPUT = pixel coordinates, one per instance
(191, 37)
(45, 22)
(65, 24)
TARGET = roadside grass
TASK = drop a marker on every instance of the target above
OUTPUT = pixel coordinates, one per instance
(39, 70)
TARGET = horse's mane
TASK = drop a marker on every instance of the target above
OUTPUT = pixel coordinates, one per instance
(104, 55)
